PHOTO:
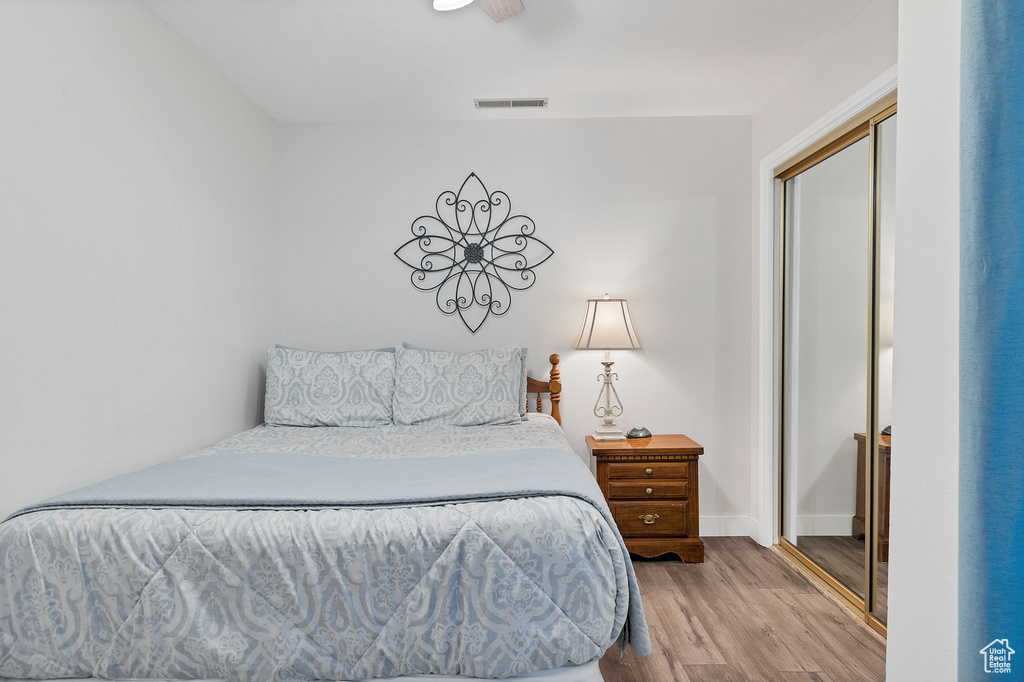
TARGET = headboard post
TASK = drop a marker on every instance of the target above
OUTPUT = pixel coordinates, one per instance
(556, 388)
(552, 387)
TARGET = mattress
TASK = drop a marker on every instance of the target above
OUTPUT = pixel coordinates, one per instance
(324, 553)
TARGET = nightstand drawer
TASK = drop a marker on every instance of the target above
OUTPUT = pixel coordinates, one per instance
(647, 469)
(650, 519)
(640, 490)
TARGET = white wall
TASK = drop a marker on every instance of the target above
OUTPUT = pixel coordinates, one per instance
(653, 210)
(862, 52)
(136, 190)
(923, 519)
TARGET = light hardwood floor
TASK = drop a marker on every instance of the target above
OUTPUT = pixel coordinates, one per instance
(843, 557)
(746, 614)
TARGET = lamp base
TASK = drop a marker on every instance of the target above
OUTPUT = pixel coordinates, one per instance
(608, 431)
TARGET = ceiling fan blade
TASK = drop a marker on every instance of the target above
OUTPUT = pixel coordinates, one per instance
(500, 10)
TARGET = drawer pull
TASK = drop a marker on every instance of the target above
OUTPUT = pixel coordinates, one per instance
(649, 519)
(650, 491)
(649, 471)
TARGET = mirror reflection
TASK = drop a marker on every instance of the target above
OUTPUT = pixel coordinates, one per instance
(828, 235)
(885, 145)
(833, 316)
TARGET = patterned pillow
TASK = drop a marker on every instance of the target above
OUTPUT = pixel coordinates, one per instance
(459, 389)
(522, 378)
(388, 349)
(308, 388)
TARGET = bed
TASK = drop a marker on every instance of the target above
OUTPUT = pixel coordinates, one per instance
(344, 543)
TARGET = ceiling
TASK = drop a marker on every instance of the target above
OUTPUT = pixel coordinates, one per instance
(350, 60)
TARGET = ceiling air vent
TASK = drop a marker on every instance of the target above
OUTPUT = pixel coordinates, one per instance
(528, 103)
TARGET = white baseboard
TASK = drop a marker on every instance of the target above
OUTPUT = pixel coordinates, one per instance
(806, 525)
(727, 526)
(841, 524)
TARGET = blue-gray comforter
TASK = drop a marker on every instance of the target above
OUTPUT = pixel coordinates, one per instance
(257, 566)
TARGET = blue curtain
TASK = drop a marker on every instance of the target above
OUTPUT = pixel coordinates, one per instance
(991, 552)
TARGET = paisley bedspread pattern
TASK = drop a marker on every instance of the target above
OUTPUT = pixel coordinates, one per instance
(484, 589)
(318, 594)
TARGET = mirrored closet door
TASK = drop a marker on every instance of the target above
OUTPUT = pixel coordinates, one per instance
(836, 237)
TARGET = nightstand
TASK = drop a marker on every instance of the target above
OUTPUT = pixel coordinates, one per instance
(651, 488)
(885, 462)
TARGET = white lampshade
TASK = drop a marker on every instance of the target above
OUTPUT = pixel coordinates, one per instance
(445, 5)
(607, 326)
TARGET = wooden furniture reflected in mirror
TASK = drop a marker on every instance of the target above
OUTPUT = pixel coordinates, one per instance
(885, 452)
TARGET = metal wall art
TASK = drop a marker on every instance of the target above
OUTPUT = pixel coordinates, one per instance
(473, 252)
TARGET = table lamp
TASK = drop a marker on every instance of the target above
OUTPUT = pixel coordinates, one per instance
(607, 327)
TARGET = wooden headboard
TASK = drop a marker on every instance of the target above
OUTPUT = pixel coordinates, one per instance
(553, 387)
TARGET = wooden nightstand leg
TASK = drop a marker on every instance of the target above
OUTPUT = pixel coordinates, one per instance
(689, 550)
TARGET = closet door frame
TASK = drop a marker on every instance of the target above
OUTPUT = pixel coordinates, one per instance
(858, 128)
